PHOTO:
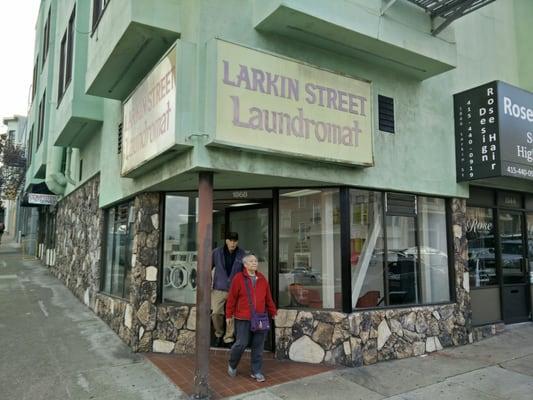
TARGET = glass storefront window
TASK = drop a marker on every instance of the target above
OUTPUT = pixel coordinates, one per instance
(119, 246)
(512, 246)
(529, 219)
(404, 262)
(309, 249)
(179, 248)
(481, 251)
(401, 260)
(396, 258)
(367, 248)
(434, 276)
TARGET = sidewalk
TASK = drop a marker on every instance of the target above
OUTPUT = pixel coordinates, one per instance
(497, 368)
(52, 347)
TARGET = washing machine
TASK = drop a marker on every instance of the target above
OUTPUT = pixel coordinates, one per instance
(179, 276)
(192, 277)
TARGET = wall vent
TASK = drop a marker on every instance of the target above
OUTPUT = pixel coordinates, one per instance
(119, 146)
(386, 113)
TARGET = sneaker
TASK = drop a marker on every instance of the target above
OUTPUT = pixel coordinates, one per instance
(258, 377)
(232, 371)
(229, 340)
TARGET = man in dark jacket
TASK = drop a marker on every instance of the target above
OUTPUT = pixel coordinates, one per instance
(2, 229)
(227, 261)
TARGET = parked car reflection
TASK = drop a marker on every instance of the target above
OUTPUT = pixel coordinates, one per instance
(482, 263)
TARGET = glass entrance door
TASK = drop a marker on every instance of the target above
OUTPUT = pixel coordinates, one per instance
(529, 220)
(513, 265)
(253, 226)
(252, 223)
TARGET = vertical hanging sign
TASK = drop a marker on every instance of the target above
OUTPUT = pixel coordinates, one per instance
(494, 132)
(476, 133)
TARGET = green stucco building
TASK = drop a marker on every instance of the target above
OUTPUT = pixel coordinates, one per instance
(390, 221)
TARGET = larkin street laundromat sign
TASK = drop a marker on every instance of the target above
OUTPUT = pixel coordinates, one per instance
(150, 116)
(268, 103)
(494, 132)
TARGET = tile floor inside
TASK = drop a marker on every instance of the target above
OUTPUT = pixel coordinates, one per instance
(180, 369)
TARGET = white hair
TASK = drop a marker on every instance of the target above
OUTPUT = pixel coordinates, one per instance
(246, 259)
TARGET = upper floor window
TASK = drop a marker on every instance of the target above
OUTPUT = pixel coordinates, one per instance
(65, 57)
(40, 128)
(98, 9)
(34, 82)
(46, 37)
(29, 149)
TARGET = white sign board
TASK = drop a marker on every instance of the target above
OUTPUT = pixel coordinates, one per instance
(44, 199)
(150, 116)
(273, 104)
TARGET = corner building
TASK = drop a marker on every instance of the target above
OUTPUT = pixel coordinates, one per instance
(338, 155)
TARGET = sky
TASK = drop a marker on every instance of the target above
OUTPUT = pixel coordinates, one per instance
(17, 38)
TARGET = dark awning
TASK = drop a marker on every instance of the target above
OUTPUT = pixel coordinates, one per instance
(38, 188)
(444, 12)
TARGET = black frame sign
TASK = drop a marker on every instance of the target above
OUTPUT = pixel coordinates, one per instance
(493, 132)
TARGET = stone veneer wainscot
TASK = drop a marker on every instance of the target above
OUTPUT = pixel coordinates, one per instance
(355, 339)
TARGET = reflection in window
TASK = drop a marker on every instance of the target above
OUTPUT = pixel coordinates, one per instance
(367, 249)
(529, 217)
(434, 276)
(402, 271)
(411, 265)
(481, 252)
(512, 247)
(309, 249)
(179, 249)
(119, 246)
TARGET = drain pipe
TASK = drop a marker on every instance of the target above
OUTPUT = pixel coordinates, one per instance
(55, 179)
(67, 167)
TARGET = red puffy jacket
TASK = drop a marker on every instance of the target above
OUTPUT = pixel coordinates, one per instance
(237, 304)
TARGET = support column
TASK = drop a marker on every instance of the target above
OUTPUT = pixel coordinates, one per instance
(203, 291)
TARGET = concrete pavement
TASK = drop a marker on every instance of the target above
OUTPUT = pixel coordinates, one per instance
(53, 347)
(494, 369)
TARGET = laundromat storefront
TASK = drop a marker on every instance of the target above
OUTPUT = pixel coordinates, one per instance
(360, 275)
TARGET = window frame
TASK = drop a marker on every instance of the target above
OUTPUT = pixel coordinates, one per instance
(29, 149)
(66, 54)
(100, 6)
(345, 251)
(41, 118)
(46, 38)
(34, 81)
(61, 84)
(127, 262)
(449, 245)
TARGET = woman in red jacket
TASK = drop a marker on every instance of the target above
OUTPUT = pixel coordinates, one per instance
(238, 307)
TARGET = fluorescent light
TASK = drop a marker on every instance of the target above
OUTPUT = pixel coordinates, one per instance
(301, 193)
(243, 204)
